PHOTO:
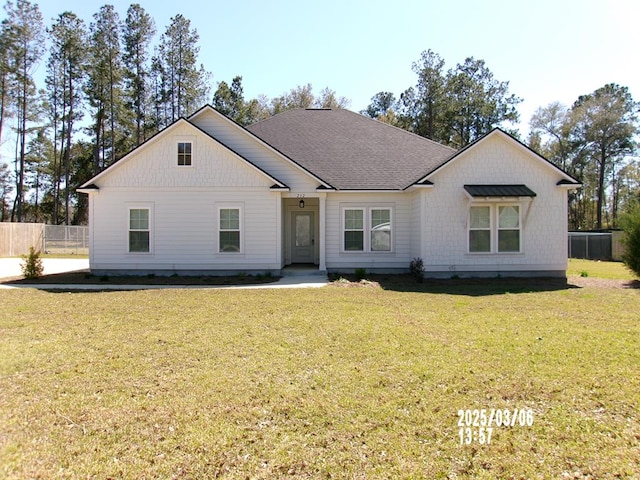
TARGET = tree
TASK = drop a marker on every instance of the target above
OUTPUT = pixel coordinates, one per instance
(603, 126)
(454, 108)
(39, 153)
(381, 103)
(183, 86)
(429, 104)
(477, 103)
(138, 31)
(550, 124)
(631, 239)
(66, 74)
(303, 97)
(104, 86)
(5, 74)
(329, 99)
(5, 191)
(25, 30)
(229, 100)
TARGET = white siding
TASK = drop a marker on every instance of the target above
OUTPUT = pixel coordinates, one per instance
(495, 161)
(396, 260)
(185, 229)
(155, 165)
(246, 145)
(184, 205)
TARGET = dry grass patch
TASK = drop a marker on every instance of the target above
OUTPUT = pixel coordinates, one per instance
(322, 383)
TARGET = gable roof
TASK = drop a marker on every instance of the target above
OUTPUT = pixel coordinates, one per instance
(567, 179)
(350, 151)
(89, 185)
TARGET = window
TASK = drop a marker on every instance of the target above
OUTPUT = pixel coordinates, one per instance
(375, 221)
(184, 154)
(354, 230)
(380, 230)
(139, 231)
(480, 229)
(494, 228)
(229, 231)
(509, 228)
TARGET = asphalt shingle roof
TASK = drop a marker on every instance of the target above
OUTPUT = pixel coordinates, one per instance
(350, 151)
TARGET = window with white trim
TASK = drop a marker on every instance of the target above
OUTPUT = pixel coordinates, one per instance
(184, 154)
(139, 230)
(353, 229)
(367, 229)
(229, 230)
(494, 228)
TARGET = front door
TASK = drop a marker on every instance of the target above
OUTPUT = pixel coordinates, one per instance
(302, 237)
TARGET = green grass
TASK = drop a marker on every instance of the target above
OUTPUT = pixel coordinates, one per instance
(596, 269)
(336, 382)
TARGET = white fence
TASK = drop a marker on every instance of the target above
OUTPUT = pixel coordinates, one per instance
(16, 238)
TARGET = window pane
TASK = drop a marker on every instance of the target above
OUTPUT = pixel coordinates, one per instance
(381, 240)
(303, 230)
(353, 219)
(229, 241)
(184, 153)
(479, 241)
(138, 241)
(354, 241)
(480, 217)
(229, 219)
(509, 217)
(509, 240)
(380, 217)
(139, 219)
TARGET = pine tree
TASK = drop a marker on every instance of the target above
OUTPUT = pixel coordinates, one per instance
(64, 84)
(104, 86)
(138, 31)
(25, 31)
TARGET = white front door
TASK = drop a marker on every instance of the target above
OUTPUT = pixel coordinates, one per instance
(302, 237)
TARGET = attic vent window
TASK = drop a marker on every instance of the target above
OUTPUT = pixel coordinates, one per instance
(184, 154)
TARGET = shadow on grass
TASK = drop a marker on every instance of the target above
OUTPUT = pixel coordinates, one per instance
(464, 286)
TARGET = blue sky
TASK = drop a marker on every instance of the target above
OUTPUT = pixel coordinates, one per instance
(548, 50)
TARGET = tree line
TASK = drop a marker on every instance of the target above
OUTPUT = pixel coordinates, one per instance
(110, 85)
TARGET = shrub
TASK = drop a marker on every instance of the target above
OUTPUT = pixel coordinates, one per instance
(32, 266)
(361, 273)
(631, 225)
(416, 267)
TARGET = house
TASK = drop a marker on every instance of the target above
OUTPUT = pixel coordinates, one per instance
(327, 188)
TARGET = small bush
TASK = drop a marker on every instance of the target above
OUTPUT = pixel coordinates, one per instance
(32, 266)
(584, 274)
(361, 273)
(631, 225)
(416, 267)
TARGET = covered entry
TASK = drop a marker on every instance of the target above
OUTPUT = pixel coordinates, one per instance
(302, 234)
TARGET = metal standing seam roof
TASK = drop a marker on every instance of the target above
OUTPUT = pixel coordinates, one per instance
(350, 151)
(499, 191)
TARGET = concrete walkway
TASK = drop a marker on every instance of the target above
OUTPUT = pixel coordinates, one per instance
(10, 267)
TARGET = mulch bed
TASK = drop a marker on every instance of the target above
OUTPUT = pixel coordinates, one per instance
(83, 278)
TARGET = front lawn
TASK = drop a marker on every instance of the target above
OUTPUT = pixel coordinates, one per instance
(335, 382)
